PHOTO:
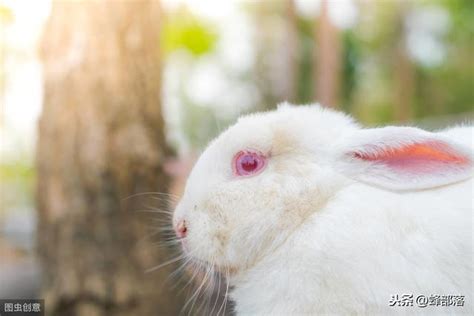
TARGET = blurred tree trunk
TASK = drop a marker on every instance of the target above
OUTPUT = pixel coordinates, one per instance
(328, 57)
(404, 72)
(291, 50)
(101, 140)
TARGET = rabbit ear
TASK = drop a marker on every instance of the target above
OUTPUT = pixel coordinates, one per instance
(404, 158)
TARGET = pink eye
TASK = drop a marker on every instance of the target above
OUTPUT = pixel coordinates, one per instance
(248, 163)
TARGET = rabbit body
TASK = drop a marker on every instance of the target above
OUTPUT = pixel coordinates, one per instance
(365, 246)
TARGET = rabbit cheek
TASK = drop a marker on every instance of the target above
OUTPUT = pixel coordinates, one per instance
(300, 205)
(221, 239)
(218, 230)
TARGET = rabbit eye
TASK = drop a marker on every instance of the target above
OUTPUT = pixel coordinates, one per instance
(248, 163)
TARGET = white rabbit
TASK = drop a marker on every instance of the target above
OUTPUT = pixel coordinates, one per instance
(311, 214)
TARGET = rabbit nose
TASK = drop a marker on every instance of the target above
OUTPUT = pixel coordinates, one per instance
(181, 229)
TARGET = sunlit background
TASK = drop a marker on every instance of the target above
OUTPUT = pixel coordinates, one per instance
(382, 61)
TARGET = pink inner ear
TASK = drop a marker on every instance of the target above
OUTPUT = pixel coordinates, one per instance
(418, 157)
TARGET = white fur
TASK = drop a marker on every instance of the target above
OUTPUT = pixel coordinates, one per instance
(313, 234)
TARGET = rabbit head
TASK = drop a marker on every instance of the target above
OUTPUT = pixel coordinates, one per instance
(260, 179)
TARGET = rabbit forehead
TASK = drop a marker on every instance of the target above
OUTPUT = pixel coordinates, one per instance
(287, 128)
(290, 129)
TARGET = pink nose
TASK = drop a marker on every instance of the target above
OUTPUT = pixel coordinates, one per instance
(181, 229)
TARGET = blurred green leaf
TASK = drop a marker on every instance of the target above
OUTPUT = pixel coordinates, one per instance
(6, 15)
(182, 30)
(16, 171)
